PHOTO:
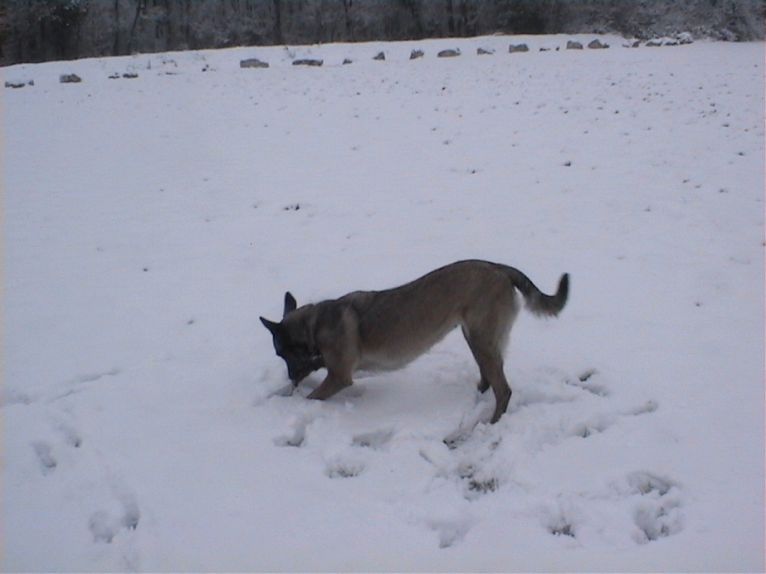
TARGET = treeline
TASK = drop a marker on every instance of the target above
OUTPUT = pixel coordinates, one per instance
(41, 30)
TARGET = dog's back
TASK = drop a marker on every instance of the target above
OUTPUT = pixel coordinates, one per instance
(397, 325)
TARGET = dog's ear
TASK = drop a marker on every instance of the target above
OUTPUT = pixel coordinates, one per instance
(270, 325)
(290, 304)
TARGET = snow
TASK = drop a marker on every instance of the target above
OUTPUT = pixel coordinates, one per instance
(148, 222)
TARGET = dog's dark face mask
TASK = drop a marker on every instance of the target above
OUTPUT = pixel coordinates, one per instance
(291, 342)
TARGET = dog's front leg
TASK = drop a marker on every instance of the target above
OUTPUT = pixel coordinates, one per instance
(338, 346)
(331, 385)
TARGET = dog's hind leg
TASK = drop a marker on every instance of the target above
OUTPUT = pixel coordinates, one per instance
(491, 367)
(489, 357)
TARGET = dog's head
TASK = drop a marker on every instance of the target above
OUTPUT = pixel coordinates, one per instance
(293, 341)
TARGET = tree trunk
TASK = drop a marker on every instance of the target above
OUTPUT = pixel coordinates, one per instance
(116, 45)
(131, 40)
(277, 34)
(347, 25)
(450, 18)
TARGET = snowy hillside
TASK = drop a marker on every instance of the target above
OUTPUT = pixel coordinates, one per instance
(149, 221)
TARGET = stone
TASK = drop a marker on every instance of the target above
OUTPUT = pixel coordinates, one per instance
(415, 54)
(308, 62)
(597, 45)
(70, 79)
(380, 56)
(571, 45)
(253, 63)
(513, 48)
(448, 53)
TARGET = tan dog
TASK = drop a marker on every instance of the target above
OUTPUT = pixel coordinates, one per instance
(385, 330)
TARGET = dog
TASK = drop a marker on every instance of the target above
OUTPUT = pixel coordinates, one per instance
(385, 330)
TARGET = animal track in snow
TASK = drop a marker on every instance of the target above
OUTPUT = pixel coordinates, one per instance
(645, 483)
(105, 525)
(344, 468)
(93, 377)
(81, 382)
(595, 425)
(284, 391)
(657, 514)
(649, 509)
(589, 381)
(600, 423)
(13, 397)
(476, 481)
(296, 438)
(558, 522)
(375, 440)
(467, 460)
(44, 454)
(648, 407)
(44, 450)
(450, 532)
(562, 529)
(69, 434)
(466, 428)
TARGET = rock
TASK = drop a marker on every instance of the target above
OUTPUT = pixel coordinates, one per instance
(518, 48)
(415, 54)
(448, 53)
(70, 79)
(308, 62)
(253, 63)
(574, 45)
(597, 45)
(17, 85)
(130, 75)
(636, 44)
(380, 56)
(654, 43)
(483, 52)
(347, 61)
(685, 38)
(114, 76)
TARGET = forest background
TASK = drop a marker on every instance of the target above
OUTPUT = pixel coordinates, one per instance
(45, 30)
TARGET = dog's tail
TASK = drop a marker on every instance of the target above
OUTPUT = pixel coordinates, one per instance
(538, 302)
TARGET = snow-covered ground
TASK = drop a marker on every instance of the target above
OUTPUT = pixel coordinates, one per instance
(148, 222)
